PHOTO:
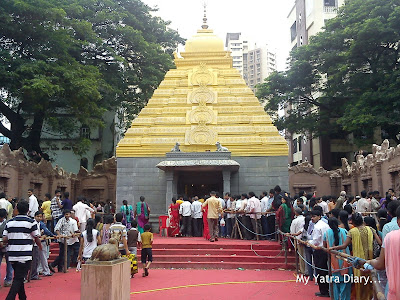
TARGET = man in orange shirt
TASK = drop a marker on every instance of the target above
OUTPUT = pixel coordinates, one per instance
(214, 208)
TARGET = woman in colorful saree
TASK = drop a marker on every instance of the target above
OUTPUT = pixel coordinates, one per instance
(389, 260)
(336, 236)
(142, 214)
(206, 232)
(361, 238)
(127, 212)
(173, 218)
(284, 215)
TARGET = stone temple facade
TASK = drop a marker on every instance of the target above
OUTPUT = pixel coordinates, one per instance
(202, 130)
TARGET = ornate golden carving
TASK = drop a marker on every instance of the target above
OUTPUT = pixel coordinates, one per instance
(202, 76)
(201, 114)
(201, 135)
(202, 95)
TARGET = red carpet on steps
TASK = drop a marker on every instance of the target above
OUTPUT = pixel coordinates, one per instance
(172, 282)
(198, 253)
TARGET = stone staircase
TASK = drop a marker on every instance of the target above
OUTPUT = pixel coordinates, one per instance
(197, 253)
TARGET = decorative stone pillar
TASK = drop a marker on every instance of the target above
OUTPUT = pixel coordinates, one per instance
(169, 176)
(111, 189)
(369, 184)
(226, 176)
(51, 180)
(73, 192)
(378, 168)
(356, 188)
(21, 189)
(6, 185)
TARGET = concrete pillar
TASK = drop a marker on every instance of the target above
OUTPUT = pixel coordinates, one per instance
(169, 176)
(175, 185)
(106, 280)
(226, 177)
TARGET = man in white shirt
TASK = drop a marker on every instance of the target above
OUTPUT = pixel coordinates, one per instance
(375, 205)
(4, 203)
(33, 204)
(222, 229)
(254, 210)
(363, 205)
(264, 206)
(323, 204)
(66, 226)
(270, 214)
(237, 218)
(229, 221)
(320, 256)
(245, 219)
(185, 210)
(81, 212)
(197, 217)
(296, 227)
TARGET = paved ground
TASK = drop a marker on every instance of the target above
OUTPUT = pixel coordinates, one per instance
(183, 284)
(186, 283)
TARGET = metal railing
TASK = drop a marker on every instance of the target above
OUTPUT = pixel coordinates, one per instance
(377, 289)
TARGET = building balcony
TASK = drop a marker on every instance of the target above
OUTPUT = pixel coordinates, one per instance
(330, 9)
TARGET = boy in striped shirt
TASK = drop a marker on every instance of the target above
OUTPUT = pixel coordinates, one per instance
(20, 234)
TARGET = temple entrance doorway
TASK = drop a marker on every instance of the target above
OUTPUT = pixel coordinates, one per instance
(199, 183)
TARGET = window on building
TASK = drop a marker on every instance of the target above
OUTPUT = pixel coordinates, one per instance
(300, 142)
(337, 158)
(295, 145)
(85, 132)
(329, 2)
(84, 162)
(293, 31)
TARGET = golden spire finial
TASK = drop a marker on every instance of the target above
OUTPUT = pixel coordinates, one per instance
(205, 26)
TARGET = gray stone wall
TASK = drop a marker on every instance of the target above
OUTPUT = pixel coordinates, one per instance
(140, 176)
(257, 174)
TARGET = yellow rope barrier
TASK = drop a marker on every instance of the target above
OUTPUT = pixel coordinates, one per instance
(211, 284)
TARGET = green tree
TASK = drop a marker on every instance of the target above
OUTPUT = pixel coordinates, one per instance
(346, 80)
(63, 63)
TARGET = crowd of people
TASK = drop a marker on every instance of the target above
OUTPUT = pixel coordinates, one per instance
(244, 216)
(364, 226)
(28, 227)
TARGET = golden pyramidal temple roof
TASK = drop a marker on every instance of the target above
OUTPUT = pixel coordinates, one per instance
(201, 102)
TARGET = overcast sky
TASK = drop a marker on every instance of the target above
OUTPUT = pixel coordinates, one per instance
(261, 21)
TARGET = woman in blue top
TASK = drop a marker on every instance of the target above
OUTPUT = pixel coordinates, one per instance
(127, 211)
(336, 236)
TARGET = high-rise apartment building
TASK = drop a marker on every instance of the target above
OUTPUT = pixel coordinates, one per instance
(260, 63)
(307, 18)
(239, 48)
(254, 63)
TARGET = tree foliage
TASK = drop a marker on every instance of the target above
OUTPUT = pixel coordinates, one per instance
(64, 63)
(346, 80)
